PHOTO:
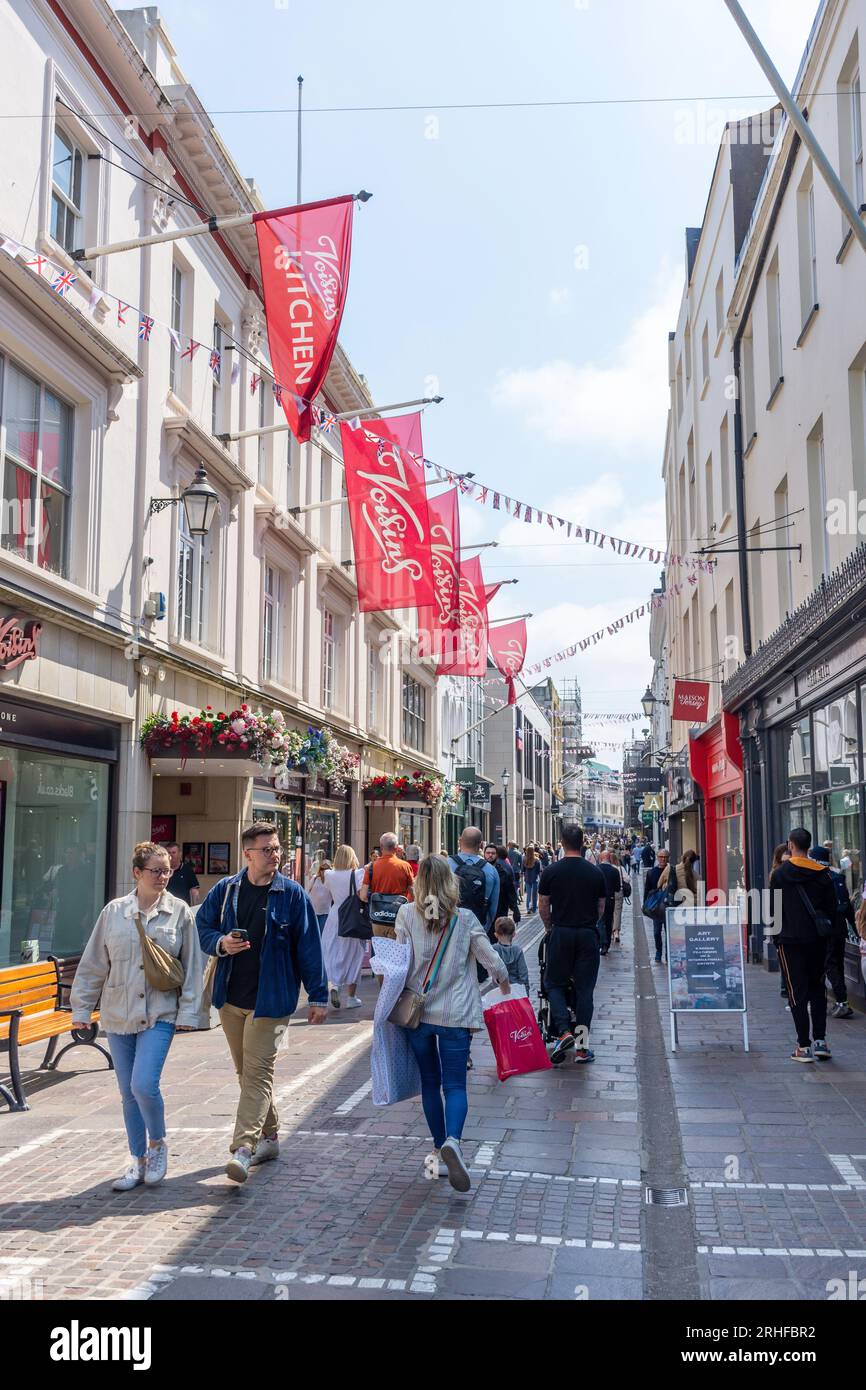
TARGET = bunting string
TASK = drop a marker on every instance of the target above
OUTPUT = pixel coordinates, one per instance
(611, 629)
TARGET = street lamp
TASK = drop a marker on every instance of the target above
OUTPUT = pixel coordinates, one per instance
(200, 503)
(506, 778)
(648, 703)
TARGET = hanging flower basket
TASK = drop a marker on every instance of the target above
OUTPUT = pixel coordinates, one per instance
(250, 735)
(407, 787)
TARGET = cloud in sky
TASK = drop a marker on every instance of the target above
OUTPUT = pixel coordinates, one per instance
(616, 405)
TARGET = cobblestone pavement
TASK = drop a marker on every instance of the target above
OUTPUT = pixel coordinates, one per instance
(777, 1191)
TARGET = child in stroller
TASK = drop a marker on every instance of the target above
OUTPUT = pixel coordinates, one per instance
(543, 1011)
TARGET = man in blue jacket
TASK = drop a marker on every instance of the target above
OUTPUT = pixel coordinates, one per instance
(262, 928)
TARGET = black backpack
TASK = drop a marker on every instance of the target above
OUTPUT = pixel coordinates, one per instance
(473, 886)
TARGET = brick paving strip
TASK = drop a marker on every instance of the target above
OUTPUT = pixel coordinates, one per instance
(776, 1205)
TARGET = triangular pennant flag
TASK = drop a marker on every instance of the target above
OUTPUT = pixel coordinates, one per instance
(254, 383)
(191, 349)
(496, 501)
(236, 372)
(121, 313)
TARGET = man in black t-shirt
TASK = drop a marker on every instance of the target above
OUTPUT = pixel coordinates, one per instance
(571, 900)
(183, 883)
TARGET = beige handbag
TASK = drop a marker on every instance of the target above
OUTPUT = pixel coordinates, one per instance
(162, 970)
(406, 1013)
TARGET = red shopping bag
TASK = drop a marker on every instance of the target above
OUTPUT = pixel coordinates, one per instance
(514, 1036)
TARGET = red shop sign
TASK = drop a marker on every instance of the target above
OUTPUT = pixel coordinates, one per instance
(691, 701)
(19, 641)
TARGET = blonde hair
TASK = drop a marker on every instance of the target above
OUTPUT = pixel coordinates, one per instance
(144, 851)
(437, 892)
(345, 858)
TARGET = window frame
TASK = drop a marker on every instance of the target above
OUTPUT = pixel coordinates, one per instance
(414, 713)
(36, 472)
(56, 193)
(177, 304)
(329, 659)
(856, 108)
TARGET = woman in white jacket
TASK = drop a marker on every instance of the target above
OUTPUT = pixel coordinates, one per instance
(138, 1020)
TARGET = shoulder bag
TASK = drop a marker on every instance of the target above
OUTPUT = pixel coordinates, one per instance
(162, 970)
(211, 964)
(353, 919)
(406, 1013)
(823, 925)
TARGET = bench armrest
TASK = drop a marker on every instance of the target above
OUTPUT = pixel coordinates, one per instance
(11, 1011)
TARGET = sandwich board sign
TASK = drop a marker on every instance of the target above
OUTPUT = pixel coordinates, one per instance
(706, 970)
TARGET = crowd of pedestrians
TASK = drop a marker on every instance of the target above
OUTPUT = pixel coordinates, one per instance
(259, 938)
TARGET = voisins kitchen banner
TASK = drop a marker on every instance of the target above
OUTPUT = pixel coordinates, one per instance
(507, 644)
(389, 513)
(439, 625)
(470, 658)
(304, 254)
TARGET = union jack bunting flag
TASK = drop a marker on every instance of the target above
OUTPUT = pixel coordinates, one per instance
(214, 362)
(145, 326)
(191, 349)
(278, 393)
(64, 282)
(254, 383)
(327, 422)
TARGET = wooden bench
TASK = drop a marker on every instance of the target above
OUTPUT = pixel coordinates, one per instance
(32, 1010)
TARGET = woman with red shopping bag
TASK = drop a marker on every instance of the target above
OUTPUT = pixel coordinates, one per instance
(442, 992)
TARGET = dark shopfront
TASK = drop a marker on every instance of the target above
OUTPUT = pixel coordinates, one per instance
(802, 706)
(312, 820)
(57, 776)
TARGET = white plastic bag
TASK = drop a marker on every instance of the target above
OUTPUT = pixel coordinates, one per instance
(394, 1070)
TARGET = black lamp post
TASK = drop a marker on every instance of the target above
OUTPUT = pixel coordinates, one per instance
(506, 778)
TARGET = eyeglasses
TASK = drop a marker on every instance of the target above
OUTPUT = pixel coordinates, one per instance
(157, 873)
(268, 849)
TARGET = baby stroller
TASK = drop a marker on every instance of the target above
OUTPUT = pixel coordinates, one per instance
(543, 1011)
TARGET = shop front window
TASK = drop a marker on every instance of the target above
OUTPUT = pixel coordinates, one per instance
(836, 745)
(838, 828)
(797, 759)
(415, 828)
(322, 835)
(54, 819)
(729, 829)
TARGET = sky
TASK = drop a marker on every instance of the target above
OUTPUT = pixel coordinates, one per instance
(527, 263)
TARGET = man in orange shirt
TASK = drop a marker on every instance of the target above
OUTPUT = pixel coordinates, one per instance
(387, 874)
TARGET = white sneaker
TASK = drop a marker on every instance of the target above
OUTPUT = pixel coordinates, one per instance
(458, 1173)
(156, 1164)
(335, 997)
(434, 1167)
(353, 1002)
(133, 1177)
(266, 1149)
(238, 1166)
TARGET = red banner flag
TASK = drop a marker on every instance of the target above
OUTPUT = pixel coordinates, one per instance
(304, 254)
(691, 701)
(508, 648)
(389, 514)
(471, 656)
(439, 625)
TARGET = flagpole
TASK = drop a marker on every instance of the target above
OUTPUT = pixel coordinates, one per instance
(485, 545)
(300, 95)
(344, 415)
(213, 224)
(493, 621)
(799, 122)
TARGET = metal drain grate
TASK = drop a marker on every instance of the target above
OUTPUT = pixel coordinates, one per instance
(666, 1197)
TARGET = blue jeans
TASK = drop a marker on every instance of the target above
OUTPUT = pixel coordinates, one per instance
(532, 895)
(138, 1062)
(442, 1054)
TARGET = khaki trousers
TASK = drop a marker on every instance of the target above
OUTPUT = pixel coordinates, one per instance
(253, 1043)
